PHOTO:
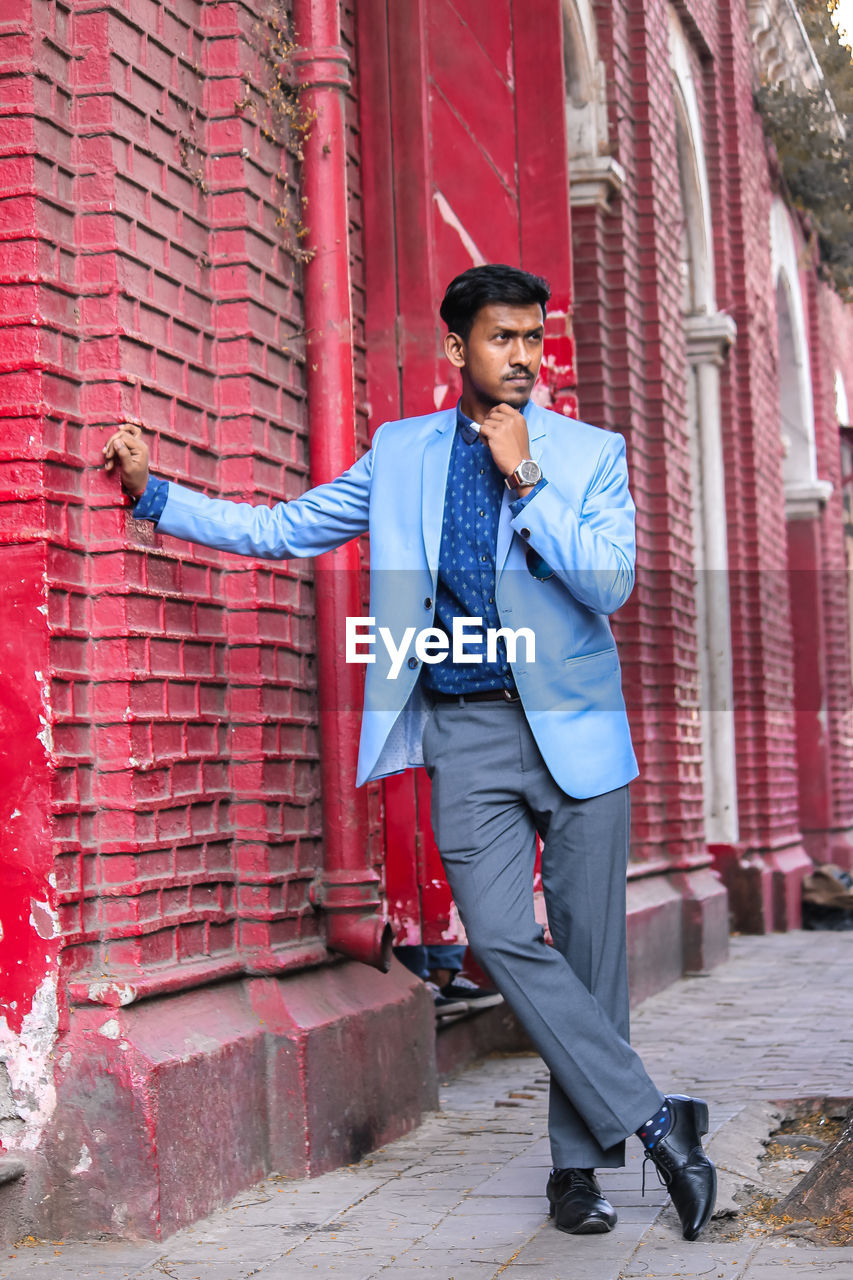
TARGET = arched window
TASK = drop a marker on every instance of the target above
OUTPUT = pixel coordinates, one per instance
(594, 176)
(708, 336)
(805, 494)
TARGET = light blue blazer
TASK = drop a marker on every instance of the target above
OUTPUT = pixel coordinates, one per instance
(581, 523)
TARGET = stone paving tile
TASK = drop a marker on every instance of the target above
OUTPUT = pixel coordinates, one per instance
(799, 1262)
(463, 1197)
(722, 1261)
(577, 1257)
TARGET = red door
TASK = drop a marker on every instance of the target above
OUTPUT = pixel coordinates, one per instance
(462, 116)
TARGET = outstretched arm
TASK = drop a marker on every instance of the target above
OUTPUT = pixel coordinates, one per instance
(320, 520)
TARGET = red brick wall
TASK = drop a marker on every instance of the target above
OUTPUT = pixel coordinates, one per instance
(763, 671)
(631, 371)
(631, 365)
(154, 251)
(831, 351)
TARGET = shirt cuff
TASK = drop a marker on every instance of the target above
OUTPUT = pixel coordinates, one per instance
(152, 500)
(518, 504)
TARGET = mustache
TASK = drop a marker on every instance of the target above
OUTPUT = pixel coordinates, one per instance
(518, 373)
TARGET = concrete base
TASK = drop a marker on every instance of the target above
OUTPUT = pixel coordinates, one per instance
(655, 936)
(462, 1041)
(835, 847)
(705, 924)
(749, 882)
(764, 885)
(168, 1108)
(789, 867)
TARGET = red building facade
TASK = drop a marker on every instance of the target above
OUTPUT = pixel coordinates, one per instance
(233, 222)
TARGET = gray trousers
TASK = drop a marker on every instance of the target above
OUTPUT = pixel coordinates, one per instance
(491, 793)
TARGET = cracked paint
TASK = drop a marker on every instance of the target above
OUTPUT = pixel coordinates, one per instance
(29, 924)
(27, 1056)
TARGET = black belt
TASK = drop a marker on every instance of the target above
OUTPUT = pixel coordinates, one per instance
(480, 695)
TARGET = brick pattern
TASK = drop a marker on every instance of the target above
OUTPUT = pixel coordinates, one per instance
(831, 351)
(149, 209)
(150, 250)
(632, 377)
(631, 366)
(763, 658)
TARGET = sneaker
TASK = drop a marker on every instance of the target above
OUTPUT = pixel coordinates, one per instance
(475, 997)
(445, 1007)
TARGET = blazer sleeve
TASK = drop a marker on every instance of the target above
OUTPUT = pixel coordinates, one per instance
(591, 550)
(323, 518)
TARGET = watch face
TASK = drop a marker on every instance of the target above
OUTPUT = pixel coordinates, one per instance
(529, 471)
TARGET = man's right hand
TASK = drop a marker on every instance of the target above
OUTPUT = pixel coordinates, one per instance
(127, 448)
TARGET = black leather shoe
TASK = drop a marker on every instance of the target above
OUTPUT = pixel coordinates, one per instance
(685, 1170)
(576, 1204)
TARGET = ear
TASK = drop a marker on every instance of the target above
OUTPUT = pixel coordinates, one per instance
(454, 349)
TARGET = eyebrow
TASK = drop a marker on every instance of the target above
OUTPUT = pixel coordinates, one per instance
(527, 333)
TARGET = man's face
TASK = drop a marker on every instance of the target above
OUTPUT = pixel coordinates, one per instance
(502, 355)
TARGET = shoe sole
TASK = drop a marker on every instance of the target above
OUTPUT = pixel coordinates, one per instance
(454, 1010)
(591, 1226)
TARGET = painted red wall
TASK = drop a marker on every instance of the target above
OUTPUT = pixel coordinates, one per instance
(161, 753)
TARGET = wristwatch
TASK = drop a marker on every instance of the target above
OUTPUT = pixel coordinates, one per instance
(527, 473)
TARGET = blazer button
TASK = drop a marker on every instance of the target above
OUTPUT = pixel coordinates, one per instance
(428, 602)
(525, 533)
(413, 662)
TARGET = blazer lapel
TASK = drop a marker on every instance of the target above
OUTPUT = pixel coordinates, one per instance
(537, 434)
(436, 462)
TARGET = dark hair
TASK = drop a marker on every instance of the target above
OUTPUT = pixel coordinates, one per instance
(494, 282)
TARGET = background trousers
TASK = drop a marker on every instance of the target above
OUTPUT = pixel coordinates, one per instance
(491, 793)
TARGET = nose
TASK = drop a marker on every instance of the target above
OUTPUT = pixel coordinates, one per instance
(519, 355)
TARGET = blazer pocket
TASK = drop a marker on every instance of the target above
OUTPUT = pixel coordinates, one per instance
(602, 660)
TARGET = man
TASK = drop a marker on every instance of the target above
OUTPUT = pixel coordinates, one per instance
(502, 515)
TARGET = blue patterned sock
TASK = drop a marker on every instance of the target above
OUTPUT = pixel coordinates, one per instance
(657, 1127)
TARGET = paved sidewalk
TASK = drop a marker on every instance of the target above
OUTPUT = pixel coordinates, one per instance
(462, 1197)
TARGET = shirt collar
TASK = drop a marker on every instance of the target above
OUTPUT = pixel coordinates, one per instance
(468, 429)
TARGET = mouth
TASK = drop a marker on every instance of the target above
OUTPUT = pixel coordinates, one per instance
(519, 380)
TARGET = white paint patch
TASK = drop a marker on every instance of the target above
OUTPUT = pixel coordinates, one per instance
(16, 813)
(452, 220)
(44, 920)
(455, 933)
(85, 1161)
(439, 393)
(115, 993)
(27, 1057)
(110, 1029)
(45, 737)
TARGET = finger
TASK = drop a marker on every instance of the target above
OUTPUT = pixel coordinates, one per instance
(113, 440)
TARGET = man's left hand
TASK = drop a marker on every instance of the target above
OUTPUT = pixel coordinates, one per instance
(505, 432)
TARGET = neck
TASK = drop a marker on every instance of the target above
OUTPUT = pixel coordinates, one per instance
(473, 407)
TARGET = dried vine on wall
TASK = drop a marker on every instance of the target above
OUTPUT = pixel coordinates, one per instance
(276, 101)
(812, 133)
